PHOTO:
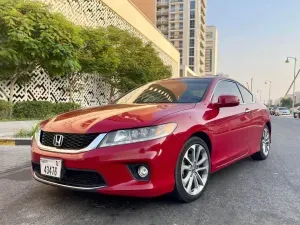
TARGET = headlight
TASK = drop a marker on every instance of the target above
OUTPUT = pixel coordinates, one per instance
(137, 135)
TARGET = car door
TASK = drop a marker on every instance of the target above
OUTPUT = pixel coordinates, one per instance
(229, 126)
(255, 116)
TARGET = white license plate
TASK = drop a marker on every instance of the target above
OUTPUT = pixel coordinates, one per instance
(51, 167)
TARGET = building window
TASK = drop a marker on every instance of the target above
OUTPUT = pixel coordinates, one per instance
(191, 61)
(172, 17)
(181, 16)
(181, 7)
(180, 60)
(180, 44)
(192, 14)
(172, 8)
(192, 33)
(192, 42)
(192, 4)
(192, 51)
(192, 24)
(180, 51)
(180, 25)
(192, 68)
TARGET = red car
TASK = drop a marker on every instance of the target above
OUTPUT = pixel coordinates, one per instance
(166, 136)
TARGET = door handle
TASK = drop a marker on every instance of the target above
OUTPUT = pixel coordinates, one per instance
(247, 110)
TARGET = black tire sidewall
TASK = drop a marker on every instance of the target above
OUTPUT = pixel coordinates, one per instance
(179, 189)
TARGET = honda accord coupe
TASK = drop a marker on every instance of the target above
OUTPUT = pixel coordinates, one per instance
(165, 137)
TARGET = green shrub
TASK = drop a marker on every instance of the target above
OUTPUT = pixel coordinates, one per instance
(5, 108)
(23, 133)
(41, 109)
(33, 110)
(64, 107)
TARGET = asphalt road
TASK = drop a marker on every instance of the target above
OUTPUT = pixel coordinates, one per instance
(248, 192)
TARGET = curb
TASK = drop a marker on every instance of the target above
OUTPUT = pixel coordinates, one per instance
(15, 141)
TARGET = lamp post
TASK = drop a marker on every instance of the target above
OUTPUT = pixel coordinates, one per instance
(259, 91)
(270, 83)
(287, 61)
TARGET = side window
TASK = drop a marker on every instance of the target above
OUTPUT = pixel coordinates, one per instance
(247, 96)
(226, 88)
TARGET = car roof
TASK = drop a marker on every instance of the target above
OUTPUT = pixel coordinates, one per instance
(214, 77)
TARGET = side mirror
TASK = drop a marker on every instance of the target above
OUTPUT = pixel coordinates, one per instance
(228, 101)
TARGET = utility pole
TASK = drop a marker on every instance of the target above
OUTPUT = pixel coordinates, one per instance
(270, 83)
(294, 85)
(259, 95)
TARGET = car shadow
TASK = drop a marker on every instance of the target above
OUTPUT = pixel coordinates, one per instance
(107, 202)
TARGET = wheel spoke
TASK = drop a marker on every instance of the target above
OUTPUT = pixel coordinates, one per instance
(200, 148)
(186, 179)
(186, 157)
(188, 189)
(199, 179)
(202, 169)
(196, 183)
(193, 153)
(204, 158)
(185, 167)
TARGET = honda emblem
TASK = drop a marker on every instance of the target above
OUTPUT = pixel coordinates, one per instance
(58, 140)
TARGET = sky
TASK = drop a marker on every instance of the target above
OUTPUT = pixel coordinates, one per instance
(255, 37)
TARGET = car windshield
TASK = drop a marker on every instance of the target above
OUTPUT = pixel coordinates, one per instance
(168, 91)
(282, 108)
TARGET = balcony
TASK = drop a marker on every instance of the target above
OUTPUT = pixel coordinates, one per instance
(175, 37)
(163, 12)
(162, 4)
(164, 30)
(162, 22)
(174, 1)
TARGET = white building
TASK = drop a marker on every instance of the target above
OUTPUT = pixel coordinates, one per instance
(211, 50)
(183, 22)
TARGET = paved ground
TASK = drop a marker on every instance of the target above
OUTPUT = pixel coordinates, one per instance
(248, 192)
(9, 128)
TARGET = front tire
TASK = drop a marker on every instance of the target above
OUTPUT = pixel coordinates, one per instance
(192, 170)
(265, 146)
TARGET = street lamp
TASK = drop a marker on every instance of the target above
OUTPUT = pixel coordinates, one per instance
(270, 83)
(287, 61)
(259, 91)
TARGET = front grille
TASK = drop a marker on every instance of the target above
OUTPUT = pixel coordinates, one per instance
(70, 141)
(74, 178)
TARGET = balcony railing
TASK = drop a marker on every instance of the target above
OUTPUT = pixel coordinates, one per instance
(160, 22)
(161, 4)
(176, 37)
(163, 12)
(164, 30)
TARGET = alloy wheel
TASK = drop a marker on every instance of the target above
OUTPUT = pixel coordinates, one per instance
(265, 141)
(194, 169)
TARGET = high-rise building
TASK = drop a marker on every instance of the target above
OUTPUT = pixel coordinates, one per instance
(147, 7)
(211, 50)
(183, 22)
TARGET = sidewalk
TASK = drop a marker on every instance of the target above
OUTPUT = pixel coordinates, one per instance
(9, 128)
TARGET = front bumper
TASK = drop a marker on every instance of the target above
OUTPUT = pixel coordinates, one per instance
(112, 164)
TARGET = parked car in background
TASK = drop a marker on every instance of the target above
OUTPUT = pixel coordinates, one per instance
(282, 111)
(272, 110)
(296, 112)
(165, 137)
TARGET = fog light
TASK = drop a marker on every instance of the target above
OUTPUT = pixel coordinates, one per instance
(143, 171)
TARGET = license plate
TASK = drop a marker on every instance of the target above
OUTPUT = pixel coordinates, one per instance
(51, 167)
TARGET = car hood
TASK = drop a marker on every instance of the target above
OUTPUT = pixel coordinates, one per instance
(111, 117)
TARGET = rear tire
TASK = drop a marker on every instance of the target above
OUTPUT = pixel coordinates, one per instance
(192, 170)
(265, 146)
